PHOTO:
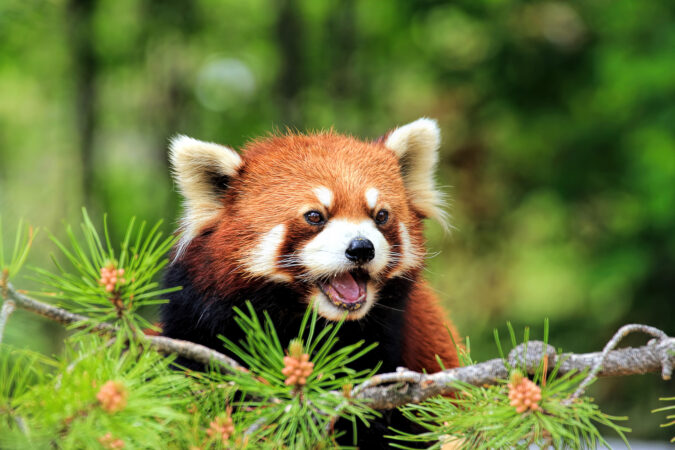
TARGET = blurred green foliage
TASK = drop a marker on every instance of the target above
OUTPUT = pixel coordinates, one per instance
(558, 121)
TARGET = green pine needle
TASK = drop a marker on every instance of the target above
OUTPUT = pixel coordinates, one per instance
(301, 414)
(54, 402)
(12, 261)
(86, 287)
(671, 417)
(483, 417)
(73, 407)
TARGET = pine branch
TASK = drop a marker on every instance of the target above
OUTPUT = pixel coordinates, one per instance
(390, 390)
(387, 391)
(624, 331)
(189, 350)
(8, 307)
(54, 313)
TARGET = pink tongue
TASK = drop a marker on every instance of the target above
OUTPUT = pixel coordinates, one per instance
(346, 285)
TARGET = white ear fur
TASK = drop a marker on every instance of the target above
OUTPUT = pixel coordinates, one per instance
(416, 145)
(196, 165)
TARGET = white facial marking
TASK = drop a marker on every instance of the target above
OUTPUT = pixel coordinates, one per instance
(371, 197)
(324, 255)
(262, 260)
(408, 256)
(324, 195)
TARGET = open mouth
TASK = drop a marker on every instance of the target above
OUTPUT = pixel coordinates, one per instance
(347, 290)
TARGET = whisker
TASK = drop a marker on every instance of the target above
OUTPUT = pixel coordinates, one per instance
(379, 305)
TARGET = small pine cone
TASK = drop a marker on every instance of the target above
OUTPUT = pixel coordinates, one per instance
(120, 276)
(290, 364)
(112, 396)
(297, 369)
(110, 277)
(524, 394)
(110, 443)
(221, 428)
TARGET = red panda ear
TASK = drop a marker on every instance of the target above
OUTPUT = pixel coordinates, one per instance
(416, 146)
(202, 171)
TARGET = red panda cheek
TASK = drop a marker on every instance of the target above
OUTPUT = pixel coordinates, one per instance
(261, 260)
(391, 235)
(407, 253)
(297, 235)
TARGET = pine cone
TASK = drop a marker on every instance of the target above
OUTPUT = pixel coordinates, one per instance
(524, 394)
(110, 443)
(112, 396)
(297, 365)
(110, 277)
(221, 428)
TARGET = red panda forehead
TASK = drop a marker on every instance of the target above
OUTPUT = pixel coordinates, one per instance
(327, 171)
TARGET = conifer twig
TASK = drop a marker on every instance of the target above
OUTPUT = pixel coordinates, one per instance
(390, 390)
(55, 313)
(667, 365)
(8, 307)
(255, 427)
(189, 350)
(72, 365)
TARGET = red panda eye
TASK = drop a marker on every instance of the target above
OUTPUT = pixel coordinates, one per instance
(314, 218)
(382, 217)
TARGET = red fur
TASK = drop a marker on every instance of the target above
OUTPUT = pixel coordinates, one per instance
(151, 332)
(347, 167)
(427, 333)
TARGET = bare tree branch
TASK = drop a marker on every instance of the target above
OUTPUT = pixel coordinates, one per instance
(624, 331)
(389, 390)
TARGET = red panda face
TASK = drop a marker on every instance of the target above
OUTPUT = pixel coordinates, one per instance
(331, 216)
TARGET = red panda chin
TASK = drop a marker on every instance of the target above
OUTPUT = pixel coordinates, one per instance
(347, 290)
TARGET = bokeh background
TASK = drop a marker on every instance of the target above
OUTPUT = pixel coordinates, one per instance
(558, 153)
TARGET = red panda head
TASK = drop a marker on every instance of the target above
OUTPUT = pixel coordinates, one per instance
(330, 216)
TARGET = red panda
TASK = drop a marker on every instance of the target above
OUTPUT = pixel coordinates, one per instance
(321, 219)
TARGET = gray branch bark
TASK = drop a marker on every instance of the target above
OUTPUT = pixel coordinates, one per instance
(8, 307)
(390, 390)
(189, 350)
(387, 391)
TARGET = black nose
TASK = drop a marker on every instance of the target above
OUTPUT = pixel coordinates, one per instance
(360, 250)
